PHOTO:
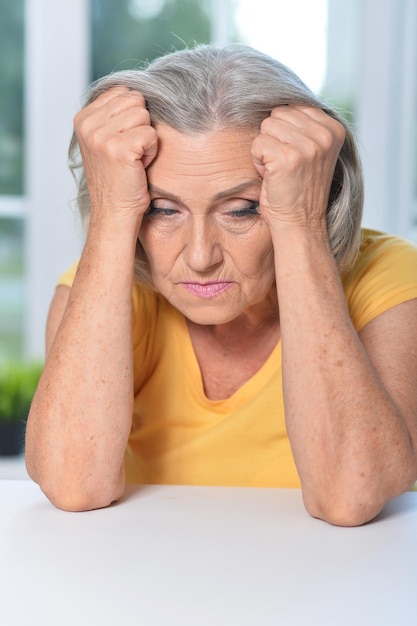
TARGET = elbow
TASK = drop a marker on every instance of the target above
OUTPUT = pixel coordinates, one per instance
(77, 496)
(342, 510)
(77, 500)
(71, 485)
(344, 516)
(354, 503)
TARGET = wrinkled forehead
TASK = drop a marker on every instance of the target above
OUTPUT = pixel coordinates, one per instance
(203, 165)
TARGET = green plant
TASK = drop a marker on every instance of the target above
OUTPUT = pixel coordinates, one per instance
(18, 382)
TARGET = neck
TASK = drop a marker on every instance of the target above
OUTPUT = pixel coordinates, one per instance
(251, 323)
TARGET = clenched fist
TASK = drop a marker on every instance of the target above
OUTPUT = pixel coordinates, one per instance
(117, 143)
(296, 153)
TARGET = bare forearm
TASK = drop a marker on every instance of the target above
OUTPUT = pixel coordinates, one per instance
(350, 443)
(81, 414)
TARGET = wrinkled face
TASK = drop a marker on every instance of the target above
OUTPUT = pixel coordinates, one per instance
(209, 250)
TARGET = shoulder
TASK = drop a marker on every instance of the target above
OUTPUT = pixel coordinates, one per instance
(145, 312)
(144, 303)
(66, 278)
(384, 275)
(143, 298)
(153, 318)
(374, 242)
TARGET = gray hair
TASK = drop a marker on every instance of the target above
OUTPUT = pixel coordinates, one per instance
(233, 86)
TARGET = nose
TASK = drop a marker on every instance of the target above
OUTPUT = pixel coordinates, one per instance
(203, 250)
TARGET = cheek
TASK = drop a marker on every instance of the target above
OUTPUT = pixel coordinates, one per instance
(151, 248)
(161, 251)
(258, 257)
(151, 239)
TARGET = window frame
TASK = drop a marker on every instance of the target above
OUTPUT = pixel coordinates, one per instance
(57, 53)
(56, 75)
(387, 99)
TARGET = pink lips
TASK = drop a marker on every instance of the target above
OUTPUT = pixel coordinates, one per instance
(207, 290)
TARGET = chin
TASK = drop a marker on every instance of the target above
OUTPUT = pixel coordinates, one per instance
(213, 321)
(207, 316)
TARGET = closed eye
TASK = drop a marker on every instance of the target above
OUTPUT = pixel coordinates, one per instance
(166, 212)
(248, 211)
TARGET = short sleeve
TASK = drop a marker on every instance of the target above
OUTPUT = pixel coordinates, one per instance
(144, 314)
(384, 275)
(67, 277)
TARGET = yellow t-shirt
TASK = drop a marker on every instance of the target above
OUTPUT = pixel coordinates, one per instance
(178, 436)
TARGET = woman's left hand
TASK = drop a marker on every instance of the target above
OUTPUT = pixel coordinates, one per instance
(296, 153)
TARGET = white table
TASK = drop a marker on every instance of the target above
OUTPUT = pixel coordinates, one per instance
(192, 556)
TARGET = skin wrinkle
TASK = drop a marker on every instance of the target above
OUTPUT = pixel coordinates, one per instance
(201, 242)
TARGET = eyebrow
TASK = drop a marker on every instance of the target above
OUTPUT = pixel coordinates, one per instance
(227, 193)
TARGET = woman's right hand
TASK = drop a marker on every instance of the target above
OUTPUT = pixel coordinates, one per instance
(117, 143)
(81, 414)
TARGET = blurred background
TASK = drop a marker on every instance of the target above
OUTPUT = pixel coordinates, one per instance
(360, 55)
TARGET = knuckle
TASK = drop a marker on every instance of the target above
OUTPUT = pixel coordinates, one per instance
(266, 125)
(340, 132)
(256, 143)
(85, 132)
(80, 122)
(294, 158)
(337, 130)
(141, 116)
(153, 135)
(326, 137)
(113, 146)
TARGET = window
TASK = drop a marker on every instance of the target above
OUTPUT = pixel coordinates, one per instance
(11, 179)
(128, 32)
(11, 101)
(11, 287)
(50, 51)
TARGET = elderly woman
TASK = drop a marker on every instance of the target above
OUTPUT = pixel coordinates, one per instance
(228, 322)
